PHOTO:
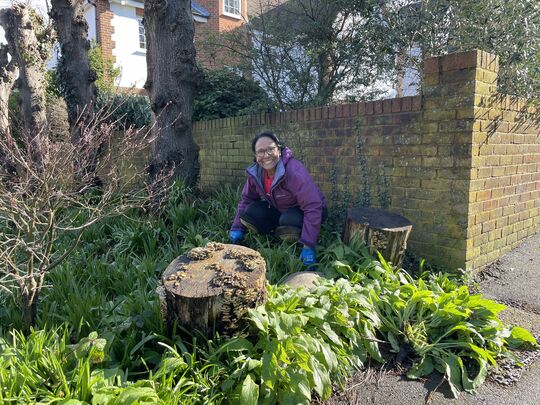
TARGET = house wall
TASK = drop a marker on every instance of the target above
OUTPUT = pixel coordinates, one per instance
(460, 161)
(116, 29)
(90, 16)
(129, 57)
(215, 57)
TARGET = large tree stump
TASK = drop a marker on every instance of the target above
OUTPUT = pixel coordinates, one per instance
(211, 288)
(380, 230)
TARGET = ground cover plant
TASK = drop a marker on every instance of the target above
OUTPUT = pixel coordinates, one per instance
(98, 337)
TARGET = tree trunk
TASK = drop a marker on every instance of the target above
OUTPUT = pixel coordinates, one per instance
(73, 67)
(380, 230)
(172, 76)
(8, 75)
(210, 289)
(21, 28)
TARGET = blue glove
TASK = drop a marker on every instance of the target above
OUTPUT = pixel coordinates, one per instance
(236, 236)
(308, 256)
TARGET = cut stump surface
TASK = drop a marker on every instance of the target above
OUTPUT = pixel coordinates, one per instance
(211, 288)
(380, 230)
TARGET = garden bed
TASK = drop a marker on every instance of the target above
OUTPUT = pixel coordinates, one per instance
(99, 337)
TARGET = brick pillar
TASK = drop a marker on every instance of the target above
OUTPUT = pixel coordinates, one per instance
(451, 87)
(104, 28)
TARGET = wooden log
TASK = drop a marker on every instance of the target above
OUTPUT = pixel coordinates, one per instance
(380, 230)
(211, 288)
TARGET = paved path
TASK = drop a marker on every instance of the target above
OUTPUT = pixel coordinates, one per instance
(514, 280)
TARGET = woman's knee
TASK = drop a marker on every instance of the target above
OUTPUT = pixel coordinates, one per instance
(261, 216)
(292, 217)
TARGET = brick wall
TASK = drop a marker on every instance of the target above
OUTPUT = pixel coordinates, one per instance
(460, 161)
(104, 28)
(505, 174)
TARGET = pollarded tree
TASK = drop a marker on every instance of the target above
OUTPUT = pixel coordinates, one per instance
(8, 75)
(171, 80)
(74, 69)
(29, 43)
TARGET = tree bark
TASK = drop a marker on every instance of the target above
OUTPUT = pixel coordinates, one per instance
(210, 289)
(21, 25)
(8, 75)
(172, 77)
(73, 67)
(381, 231)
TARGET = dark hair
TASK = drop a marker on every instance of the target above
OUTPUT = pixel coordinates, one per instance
(266, 134)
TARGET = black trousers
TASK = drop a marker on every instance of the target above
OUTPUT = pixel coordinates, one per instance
(266, 218)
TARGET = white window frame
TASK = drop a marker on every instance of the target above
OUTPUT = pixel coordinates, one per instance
(233, 15)
(139, 25)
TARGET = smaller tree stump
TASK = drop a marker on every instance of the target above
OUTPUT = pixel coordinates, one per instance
(211, 288)
(380, 230)
(302, 279)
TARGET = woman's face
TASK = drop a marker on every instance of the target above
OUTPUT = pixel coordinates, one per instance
(267, 153)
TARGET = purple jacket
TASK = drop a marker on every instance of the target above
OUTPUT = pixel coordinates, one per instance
(292, 187)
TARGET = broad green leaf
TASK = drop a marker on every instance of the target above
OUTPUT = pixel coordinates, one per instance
(316, 313)
(301, 394)
(479, 303)
(105, 395)
(258, 319)
(250, 392)
(328, 356)
(236, 344)
(482, 353)
(270, 369)
(467, 328)
(471, 385)
(394, 342)
(137, 395)
(452, 370)
(327, 330)
(371, 345)
(422, 368)
(521, 337)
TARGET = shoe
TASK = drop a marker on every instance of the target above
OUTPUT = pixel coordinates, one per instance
(288, 233)
(248, 226)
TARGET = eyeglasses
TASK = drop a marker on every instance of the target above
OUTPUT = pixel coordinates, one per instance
(267, 151)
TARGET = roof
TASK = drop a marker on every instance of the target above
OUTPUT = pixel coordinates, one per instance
(199, 10)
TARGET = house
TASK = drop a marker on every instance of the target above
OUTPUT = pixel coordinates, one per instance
(118, 27)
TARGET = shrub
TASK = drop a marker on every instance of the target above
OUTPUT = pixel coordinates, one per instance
(125, 110)
(227, 94)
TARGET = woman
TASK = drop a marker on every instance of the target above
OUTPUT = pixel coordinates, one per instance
(279, 196)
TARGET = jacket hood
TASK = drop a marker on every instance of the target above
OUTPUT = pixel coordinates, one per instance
(286, 155)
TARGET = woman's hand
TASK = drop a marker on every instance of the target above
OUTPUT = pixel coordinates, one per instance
(308, 256)
(236, 236)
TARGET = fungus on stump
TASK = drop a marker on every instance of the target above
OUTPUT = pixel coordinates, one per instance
(211, 288)
(380, 230)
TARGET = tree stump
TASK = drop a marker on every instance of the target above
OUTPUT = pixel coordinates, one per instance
(302, 279)
(211, 288)
(380, 230)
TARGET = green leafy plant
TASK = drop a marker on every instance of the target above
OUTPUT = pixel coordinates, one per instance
(301, 343)
(433, 321)
(225, 93)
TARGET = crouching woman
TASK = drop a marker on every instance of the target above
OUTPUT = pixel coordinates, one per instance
(280, 197)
